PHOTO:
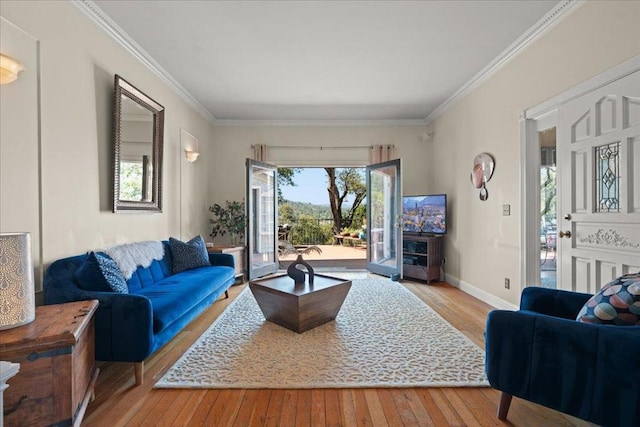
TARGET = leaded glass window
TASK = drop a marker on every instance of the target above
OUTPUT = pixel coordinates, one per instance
(608, 177)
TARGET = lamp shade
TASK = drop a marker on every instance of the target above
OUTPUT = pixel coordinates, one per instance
(9, 69)
(17, 295)
(192, 156)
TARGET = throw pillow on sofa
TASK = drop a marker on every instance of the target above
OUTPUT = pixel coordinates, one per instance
(101, 274)
(617, 303)
(192, 254)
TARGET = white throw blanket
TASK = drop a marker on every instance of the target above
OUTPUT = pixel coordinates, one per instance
(131, 255)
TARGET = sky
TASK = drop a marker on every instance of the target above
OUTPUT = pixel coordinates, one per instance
(311, 187)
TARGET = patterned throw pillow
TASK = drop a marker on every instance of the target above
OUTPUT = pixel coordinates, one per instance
(186, 256)
(617, 303)
(99, 273)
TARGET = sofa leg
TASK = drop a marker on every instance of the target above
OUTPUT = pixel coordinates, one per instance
(503, 406)
(226, 294)
(138, 369)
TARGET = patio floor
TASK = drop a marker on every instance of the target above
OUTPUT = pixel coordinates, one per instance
(337, 256)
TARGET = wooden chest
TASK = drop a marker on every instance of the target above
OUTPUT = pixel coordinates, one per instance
(57, 366)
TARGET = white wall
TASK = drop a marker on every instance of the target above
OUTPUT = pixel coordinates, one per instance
(483, 247)
(78, 64)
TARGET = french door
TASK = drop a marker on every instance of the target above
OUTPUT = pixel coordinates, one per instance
(262, 215)
(384, 209)
(599, 203)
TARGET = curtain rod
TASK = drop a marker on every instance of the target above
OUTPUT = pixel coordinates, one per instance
(341, 147)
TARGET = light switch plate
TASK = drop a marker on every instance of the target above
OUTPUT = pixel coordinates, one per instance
(506, 210)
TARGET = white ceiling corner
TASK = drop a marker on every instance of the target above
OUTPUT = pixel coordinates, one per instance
(280, 63)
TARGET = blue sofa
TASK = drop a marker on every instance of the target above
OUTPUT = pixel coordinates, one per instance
(542, 354)
(131, 326)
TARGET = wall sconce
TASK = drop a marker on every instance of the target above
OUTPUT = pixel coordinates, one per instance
(192, 156)
(17, 294)
(9, 69)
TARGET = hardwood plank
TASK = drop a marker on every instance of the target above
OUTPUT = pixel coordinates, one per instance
(204, 407)
(389, 407)
(375, 408)
(224, 411)
(419, 411)
(303, 408)
(185, 413)
(288, 415)
(432, 408)
(361, 408)
(318, 417)
(404, 408)
(460, 407)
(448, 411)
(274, 410)
(333, 410)
(259, 414)
(348, 408)
(245, 411)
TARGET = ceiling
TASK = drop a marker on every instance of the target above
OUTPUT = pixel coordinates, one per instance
(323, 60)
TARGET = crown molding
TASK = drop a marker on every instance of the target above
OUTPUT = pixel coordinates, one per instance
(408, 122)
(560, 10)
(95, 14)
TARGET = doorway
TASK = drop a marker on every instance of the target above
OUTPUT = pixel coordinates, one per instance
(548, 208)
(598, 207)
(309, 199)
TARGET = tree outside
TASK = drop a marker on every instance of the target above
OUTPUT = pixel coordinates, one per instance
(318, 223)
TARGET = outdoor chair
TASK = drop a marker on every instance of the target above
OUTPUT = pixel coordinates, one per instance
(542, 354)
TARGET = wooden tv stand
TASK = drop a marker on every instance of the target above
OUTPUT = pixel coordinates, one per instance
(422, 257)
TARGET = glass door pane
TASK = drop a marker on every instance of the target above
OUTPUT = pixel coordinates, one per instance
(262, 207)
(384, 207)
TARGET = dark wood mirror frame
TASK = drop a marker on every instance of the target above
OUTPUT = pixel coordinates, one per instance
(152, 166)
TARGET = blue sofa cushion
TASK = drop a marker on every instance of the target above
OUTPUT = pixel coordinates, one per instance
(617, 303)
(192, 254)
(99, 273)
(175, 296)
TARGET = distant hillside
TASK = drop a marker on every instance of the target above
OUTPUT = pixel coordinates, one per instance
(314, 211)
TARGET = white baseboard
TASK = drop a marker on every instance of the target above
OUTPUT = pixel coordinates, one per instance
(478, 293)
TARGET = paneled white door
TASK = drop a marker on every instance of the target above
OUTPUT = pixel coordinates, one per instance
(599, 202)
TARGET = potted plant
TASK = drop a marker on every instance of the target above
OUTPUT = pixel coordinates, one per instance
(230, 219)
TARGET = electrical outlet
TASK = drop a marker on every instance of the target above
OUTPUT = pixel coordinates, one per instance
(506, 210)
(507, 283)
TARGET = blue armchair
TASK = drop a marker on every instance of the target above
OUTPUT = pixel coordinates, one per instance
(542, 354)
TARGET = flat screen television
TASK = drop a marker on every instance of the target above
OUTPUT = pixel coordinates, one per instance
(425, 213)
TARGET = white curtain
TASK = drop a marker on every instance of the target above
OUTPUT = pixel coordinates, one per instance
(381, 153)
(260, 152)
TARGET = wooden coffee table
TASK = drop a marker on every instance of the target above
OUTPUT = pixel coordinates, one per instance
(300, 307)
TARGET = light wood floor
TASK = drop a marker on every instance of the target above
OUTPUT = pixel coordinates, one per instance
(120, 403)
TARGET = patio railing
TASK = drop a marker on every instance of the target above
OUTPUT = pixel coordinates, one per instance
(307, 231)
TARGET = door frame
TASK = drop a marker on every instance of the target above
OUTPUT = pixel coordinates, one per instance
(385, 270)
(250, 208)
(530, 165)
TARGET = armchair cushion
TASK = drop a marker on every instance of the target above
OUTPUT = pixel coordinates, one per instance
(100, 274)
(617, 303)
(192, 254)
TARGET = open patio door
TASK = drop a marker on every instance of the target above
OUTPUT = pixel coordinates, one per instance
(384, 209)
(262, 210)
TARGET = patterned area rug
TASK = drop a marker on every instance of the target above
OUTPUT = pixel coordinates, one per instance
(384, 336)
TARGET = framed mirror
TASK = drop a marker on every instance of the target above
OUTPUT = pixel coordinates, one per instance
(138, 129)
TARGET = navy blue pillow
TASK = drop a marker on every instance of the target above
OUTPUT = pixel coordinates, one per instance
(99, 273)
(186, 256)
